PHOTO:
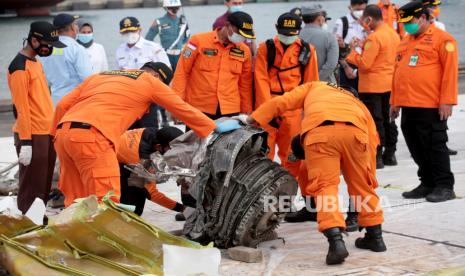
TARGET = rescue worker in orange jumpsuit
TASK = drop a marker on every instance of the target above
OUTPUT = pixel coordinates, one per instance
(282, 64)
(214, 72)
(391, 15)
(425, 87)
(136, 146)
(89, 121)
(375, 69)
(338, 134)
(33, 110)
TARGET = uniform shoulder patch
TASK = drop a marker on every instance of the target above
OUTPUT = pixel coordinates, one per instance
(133, 74)
(450, 47)
(367, 45)
(237, 52)
(187, 53)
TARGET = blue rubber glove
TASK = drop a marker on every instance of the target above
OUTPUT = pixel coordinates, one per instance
(226, 126)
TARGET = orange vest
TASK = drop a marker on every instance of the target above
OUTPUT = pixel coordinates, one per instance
(267, 84)
(426, 70)
(209, 74)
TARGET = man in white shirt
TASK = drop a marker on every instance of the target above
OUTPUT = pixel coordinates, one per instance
(347, 29)
(97, 55)
(136, 51)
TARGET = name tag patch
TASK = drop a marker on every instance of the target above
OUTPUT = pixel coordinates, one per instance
(236, 52)
(130, 74)
(210, 52)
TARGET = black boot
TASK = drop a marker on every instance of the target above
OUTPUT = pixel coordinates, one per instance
(440, 194)
(352, 222)
(389, 158)
(379, 158)
(419, 192)
(373, 239)
(337, 251)
(300, 216)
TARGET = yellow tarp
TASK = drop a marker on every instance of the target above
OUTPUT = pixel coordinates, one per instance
(86, 239)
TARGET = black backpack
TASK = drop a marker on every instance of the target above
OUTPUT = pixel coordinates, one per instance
(304, 58)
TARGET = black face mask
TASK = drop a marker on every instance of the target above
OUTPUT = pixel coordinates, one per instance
(43, 50)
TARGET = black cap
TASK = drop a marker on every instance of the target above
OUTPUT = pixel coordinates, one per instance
(166, 74)
(167, 134)
(289, 24)
(410, 10)
(45, 31)
(128, 24)
(431, 3)
(243, 21)
(64, 19)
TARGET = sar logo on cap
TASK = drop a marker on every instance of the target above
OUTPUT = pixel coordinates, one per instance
(247, 26)
(290, 23)
(54, 34)
(127, 22)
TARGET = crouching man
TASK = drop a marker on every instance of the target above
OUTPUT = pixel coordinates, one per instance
(337, 134)
(136, 146)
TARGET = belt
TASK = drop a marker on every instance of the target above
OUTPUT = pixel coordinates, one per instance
(174, 52)
(331, 123)
(76, 125)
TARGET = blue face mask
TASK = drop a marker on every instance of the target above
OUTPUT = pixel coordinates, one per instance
(236, 8)
(85, 38)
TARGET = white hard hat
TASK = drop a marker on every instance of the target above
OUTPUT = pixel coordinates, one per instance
(171, 3)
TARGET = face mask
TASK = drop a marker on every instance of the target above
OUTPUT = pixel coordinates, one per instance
(366, 25)
(324, 27)
(411, 28)
(131, 37)
(436, 12)
(43, 50)
(287, 40)
(357, 14)
(85, 38)
(173, 11)
(236, 38)
(237, 8)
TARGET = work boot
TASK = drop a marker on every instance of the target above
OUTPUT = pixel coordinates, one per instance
(300, 216)
(352, 222)
(373, 239)
(440, 194)
(419, 192)
(379, 159)
(389, 158)
(337, 251)
(451, 151)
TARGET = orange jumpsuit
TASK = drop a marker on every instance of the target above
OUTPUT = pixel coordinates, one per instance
(267, 86)
(108, 104)
(129, 151)
(213, 77)
(391, 16)
(338, 134)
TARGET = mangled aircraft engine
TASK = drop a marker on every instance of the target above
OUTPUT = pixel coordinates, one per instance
(234, 182)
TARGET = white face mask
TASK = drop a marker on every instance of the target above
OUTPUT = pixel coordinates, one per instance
(357, 14)
(131, 37)
(236, 38)
(287, 40)
(324, 27)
